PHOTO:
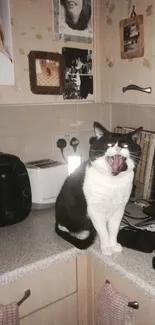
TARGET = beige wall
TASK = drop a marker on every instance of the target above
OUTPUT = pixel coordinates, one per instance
(28, 130)
(138, 71)
(133, 115)
(28, 122)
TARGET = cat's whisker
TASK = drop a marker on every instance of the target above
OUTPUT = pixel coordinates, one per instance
(140, 160)
(136, 152)
(137, 164)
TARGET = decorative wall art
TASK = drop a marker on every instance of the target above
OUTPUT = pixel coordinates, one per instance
(132, 36)
(6, 47)
(78, 74)
(73, 20)
(46, 71)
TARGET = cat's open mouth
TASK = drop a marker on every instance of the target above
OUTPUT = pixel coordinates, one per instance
(116, 162)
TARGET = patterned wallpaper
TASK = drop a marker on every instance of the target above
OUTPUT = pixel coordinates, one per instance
(31, 30)
(118, 72)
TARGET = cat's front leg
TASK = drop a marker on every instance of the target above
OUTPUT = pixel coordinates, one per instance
(113, 227)
(99, 223)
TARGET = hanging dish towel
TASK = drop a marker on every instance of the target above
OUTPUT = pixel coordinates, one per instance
(9, 314)
(113, 308)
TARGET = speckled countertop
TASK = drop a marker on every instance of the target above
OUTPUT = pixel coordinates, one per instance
(33, 245)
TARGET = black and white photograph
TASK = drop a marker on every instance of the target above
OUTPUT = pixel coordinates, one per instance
(131, 36)
(73, 20)
(6, 47)
(78, 74)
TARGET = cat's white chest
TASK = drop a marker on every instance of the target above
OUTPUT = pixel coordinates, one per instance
(105, 189)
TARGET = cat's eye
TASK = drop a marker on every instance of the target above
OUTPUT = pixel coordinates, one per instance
(125, 146)
(109, 144)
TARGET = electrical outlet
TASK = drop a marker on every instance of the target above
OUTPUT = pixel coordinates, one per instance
(63, 135)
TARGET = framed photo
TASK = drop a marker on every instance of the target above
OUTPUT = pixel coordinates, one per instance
(73, 20)
(46, 71)
(132, 37)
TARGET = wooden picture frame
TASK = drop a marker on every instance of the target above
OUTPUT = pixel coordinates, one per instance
(46, 72)
(132, 37)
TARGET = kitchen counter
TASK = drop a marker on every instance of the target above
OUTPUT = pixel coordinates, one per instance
(33, 245)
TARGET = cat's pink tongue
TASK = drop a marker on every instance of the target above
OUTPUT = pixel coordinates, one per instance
(115, 163)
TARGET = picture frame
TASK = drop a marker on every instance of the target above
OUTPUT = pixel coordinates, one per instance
(132, 37)
(46, 72)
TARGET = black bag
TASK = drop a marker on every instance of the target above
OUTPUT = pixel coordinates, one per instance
(137, 239)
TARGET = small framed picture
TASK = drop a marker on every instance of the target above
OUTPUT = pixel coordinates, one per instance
(132, 37)
(46, 71)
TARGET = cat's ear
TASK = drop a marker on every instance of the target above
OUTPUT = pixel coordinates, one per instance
(134, 134)
(99, 130)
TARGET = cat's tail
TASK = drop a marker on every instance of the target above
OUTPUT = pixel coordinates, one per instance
(81, 240)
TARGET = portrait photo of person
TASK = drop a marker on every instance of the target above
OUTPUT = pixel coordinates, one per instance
(75, 18)
(6, 51)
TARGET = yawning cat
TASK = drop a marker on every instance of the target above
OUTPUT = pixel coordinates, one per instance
(93, 198)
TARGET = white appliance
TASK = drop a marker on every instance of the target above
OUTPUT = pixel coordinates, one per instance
(46, 178)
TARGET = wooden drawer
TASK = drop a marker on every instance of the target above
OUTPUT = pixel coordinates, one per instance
(62, 312)
(47, 286)
(146, 312)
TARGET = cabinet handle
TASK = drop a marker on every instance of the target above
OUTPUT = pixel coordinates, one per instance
(26, 295)
(133, 304)
(147, 90)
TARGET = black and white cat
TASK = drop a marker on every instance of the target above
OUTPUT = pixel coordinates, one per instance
(93, 198)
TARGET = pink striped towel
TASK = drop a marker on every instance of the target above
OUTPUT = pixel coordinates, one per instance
(113, 308)
(9, 314)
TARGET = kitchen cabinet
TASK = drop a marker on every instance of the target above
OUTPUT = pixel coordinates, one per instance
(68, 293)
(146, 312)
(53, 295)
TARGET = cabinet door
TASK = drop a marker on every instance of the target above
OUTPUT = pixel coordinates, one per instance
(146, 312)
(47, 286)
(63, 312)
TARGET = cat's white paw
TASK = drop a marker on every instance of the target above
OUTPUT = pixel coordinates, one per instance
(117, 248)
(106, 250)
